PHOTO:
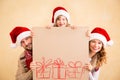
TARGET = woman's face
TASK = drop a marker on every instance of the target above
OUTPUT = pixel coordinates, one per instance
(95, 46)
(61, 21)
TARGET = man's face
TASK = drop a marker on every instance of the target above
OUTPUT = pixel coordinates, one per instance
(26, 43)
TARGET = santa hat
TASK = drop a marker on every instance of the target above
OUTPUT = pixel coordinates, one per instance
(60, 11)
(17, 34)
(101, 34)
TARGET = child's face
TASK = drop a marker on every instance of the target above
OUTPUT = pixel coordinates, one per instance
(61, 21)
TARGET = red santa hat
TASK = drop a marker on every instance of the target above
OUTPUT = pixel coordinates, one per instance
(17, 34)
(101, 34)
(60, 11)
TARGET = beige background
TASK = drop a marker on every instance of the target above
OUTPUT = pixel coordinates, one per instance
(92, 13)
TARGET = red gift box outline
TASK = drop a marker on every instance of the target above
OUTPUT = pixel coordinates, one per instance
(59, 63)
(41, 66)
(75, 65)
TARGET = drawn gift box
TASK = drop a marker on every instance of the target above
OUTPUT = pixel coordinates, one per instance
(73, 69)
(43, 69)
(58, 69)
(80, 72)
(45, 74)
(71, 73)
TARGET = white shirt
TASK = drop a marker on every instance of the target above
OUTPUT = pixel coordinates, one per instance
(93, 75)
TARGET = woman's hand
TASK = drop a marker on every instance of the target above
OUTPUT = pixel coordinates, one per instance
(88, 66)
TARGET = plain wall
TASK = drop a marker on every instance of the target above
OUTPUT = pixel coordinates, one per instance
(30, 13)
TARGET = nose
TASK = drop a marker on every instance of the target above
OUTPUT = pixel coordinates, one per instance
(26, 42)
(96, 44)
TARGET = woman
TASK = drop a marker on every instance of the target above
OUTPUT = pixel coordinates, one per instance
(99, 39)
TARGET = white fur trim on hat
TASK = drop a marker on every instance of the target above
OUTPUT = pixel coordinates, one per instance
(62, 12)
(22, 36)
(13, 45)
(110, 43)
(99, 37)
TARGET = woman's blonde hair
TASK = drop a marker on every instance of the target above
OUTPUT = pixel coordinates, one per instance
(99, 58)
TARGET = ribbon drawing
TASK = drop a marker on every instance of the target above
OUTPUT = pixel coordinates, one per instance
(42, 66)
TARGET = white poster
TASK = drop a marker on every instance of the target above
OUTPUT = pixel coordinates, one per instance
(60, 53)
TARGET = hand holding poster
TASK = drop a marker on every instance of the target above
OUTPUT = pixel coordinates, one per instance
(60, 53)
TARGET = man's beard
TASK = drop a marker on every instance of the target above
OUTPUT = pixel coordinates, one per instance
(29, 47)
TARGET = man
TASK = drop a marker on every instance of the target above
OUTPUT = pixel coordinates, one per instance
(22, 36)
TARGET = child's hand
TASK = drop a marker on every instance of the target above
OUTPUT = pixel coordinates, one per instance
(88, 33)
(73, 27)
(49, 26)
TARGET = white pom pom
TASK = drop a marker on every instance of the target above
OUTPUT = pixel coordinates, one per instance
(110, 43)
(13, 45)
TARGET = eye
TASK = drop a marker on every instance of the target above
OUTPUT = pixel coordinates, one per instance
(100, 42)
(22, 42)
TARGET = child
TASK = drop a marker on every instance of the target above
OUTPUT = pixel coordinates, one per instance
(60, 18)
